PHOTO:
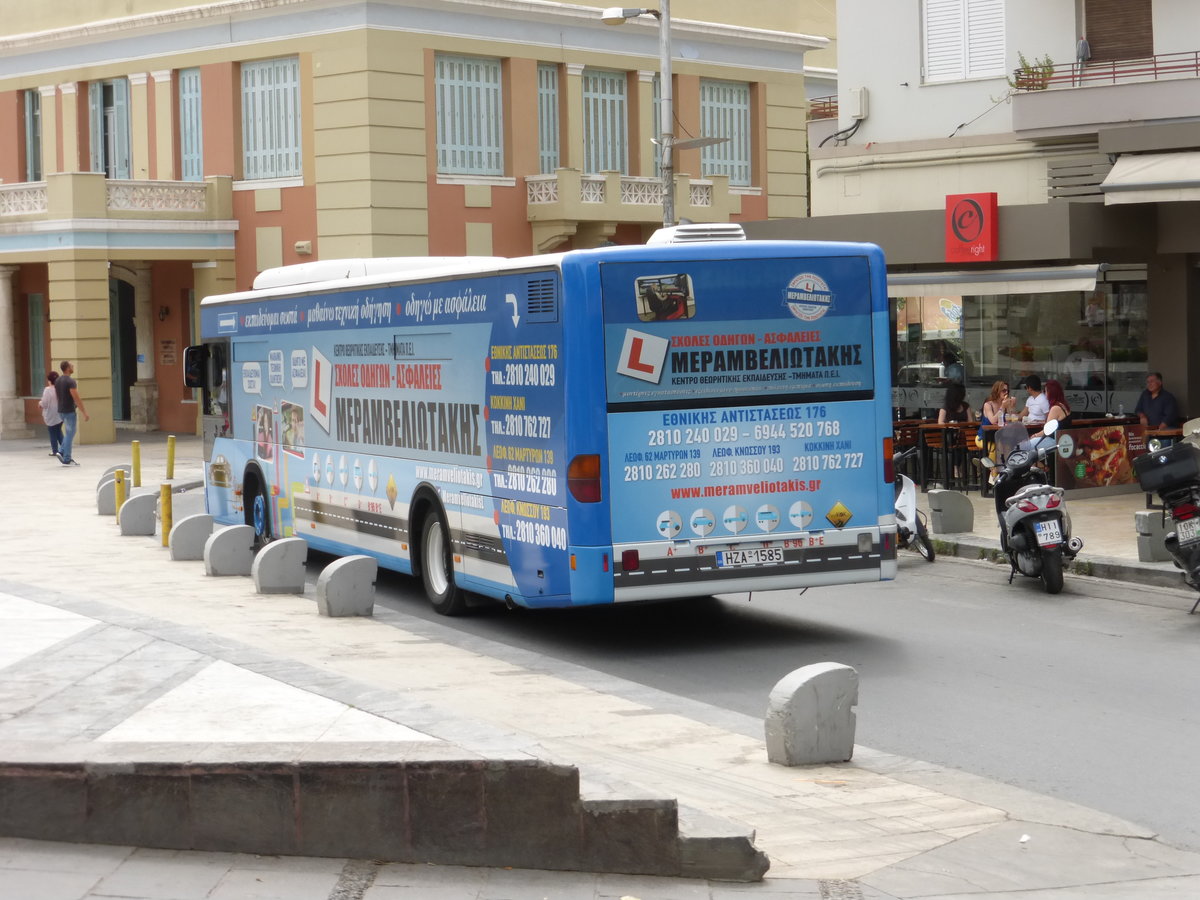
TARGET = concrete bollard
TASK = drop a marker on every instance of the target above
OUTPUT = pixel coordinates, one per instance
(229, 551)
(1151, 530)
(188, 535)
(111, 470)
(106, 497)
(347, 587)
(950, 512)
(279, 567)
(136, 515)
(810, 715)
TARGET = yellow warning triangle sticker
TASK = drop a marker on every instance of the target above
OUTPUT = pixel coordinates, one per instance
(838, 514)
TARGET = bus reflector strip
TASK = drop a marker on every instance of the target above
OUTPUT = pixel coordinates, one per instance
(631, 560)
(889, 470)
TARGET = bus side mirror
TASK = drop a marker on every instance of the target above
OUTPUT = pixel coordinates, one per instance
(193, 366)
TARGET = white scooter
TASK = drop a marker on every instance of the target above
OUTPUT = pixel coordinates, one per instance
(1035, 530)
(910, 521)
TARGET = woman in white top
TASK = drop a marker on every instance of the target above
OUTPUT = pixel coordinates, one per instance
(50, 415)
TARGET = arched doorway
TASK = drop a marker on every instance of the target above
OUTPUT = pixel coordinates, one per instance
(123, 345)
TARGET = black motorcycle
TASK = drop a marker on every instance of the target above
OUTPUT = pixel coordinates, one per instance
(1035, 531)
(1174, 474)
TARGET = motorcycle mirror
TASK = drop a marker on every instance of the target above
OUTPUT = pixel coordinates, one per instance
(1154, 445)
(1050, 427)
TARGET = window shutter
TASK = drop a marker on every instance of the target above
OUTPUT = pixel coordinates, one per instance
(33, 138)
(604, 122)
(96, 125)
(985, 38)
(271, 119)
(122, 167)
(1119, 29)
(548, 127)
(191, 126)
(944, 25)
(470, 120)
(725, 113)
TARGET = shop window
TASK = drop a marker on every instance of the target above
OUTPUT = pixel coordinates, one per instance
(271, 119)
(108, 119)
(548, 122)
(1094, 343)
(191, 126)
(725, 113)
(605, 119)
(33, 139)
(963, 39)
(470, 120)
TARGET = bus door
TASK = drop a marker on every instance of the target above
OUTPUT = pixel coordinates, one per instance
(206, 368)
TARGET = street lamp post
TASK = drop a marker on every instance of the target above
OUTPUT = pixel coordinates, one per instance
(617, 15)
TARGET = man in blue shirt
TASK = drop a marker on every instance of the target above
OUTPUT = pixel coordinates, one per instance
(1157, 408)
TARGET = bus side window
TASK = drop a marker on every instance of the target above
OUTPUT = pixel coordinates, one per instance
(215, 393)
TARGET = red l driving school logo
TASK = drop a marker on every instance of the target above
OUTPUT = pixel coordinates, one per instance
(971, 233)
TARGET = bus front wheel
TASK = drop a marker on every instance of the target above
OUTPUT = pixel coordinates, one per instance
(258, 511)
(437, 568)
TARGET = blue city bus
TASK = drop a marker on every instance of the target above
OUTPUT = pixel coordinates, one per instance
(629, 423)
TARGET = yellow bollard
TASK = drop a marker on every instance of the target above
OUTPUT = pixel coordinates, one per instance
(137, 464)
(164, 507)
(119, 489)
(170, 457)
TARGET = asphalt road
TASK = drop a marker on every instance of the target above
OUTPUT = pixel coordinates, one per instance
(1085, 696)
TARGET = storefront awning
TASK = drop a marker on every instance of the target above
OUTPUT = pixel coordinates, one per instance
(1001, 281)
(1153, 178)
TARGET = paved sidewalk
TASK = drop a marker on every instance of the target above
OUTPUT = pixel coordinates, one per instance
(109, 645)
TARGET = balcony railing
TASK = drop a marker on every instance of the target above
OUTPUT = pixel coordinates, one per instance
(1120, 71)
(157, 196)
(23, 199)
(823, 107)
(635, 190)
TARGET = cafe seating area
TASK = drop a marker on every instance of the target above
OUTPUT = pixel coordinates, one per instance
(948, 453)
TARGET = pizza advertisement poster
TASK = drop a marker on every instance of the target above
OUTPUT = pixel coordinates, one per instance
(1098, 457)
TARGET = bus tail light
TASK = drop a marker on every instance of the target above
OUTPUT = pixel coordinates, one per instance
(583, 478)
(631, 560)
(889, 468)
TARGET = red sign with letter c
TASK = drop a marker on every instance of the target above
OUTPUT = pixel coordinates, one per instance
(971, 228)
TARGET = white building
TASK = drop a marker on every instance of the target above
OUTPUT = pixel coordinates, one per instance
(1092, 152)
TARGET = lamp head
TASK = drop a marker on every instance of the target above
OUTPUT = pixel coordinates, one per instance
(616, 15)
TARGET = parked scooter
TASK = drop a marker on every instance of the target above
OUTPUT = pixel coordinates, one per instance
(911, 531)
(1174, 474)
(1035, 530)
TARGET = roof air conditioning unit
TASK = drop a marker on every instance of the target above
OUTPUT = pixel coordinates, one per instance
(688, 234)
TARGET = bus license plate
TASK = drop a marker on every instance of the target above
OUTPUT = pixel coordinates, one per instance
(1188, 531)
(759, 556)
(1048, 533)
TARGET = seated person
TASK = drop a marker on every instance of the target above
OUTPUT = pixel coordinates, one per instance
(1037, 407)
(1060, 411)
(1156, 407)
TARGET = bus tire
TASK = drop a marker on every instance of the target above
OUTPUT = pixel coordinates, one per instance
(257, 507)
(437, 568)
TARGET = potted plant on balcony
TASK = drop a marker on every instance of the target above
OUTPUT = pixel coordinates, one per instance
(1031, 75)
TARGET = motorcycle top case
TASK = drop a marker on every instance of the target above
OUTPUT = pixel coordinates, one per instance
(1168, 468)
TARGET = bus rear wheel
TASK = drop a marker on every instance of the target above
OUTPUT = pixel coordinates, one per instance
(437, 568)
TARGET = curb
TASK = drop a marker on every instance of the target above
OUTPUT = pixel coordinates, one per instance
(437, 806)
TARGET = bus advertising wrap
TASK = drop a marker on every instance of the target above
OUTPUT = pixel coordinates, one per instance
(733, 400)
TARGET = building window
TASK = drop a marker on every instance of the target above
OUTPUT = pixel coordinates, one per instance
(604, 122)
(37, 343)
(470, 118)
(191, 126)
(548, 157)
(963, 39)
(271, 119)
(725, 113)
(108, 107)
(33, 136)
